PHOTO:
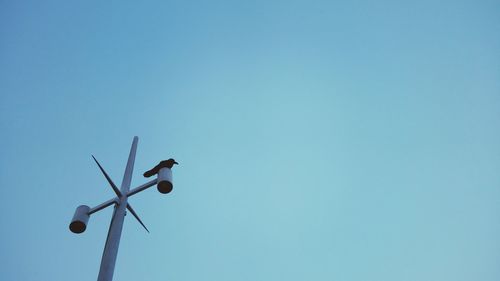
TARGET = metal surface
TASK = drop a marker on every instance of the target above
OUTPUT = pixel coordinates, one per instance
(131, 210)
(141, 188)
(165, 184)
(113, 185)
(104, 205)
(108, 260)
(80, 219)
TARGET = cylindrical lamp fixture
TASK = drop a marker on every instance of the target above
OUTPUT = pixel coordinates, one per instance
(79, 222)
(165, 183)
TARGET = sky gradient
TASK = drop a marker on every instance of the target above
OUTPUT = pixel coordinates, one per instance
(317, 140)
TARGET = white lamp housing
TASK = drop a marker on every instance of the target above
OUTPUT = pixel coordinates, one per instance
(165, 183)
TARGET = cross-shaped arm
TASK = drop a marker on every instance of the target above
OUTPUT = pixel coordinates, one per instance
(119, 194)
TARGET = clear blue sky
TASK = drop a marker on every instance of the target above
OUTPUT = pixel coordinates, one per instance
(317, 140)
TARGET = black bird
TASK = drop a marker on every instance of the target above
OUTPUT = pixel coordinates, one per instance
(163, 164)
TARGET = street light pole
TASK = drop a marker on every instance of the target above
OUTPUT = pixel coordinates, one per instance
(115, 229)
(82, 213)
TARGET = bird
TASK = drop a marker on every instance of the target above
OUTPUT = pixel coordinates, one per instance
(163, 164)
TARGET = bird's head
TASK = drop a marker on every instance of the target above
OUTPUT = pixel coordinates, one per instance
(172, 161)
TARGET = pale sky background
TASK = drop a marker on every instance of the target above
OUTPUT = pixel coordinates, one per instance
(317, 140)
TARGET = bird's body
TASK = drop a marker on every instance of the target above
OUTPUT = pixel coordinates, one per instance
(163, 164)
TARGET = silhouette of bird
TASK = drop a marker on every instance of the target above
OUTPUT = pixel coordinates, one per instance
(163, 164)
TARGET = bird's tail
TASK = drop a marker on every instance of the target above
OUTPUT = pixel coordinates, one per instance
(148, 173)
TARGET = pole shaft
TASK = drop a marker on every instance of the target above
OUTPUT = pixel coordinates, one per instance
(115, 229)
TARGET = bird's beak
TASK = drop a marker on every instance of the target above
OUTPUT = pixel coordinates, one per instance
(176, 163)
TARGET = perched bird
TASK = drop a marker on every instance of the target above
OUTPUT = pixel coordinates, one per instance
(163, 164)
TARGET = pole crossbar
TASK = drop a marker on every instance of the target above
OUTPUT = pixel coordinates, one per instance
(115, 200)
(142, 187)
(103, 205)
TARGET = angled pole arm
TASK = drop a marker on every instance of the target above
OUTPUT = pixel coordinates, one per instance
(131, 210)
(113, 185)
(142, 187)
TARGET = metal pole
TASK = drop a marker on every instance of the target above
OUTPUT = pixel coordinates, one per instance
(115, 229)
